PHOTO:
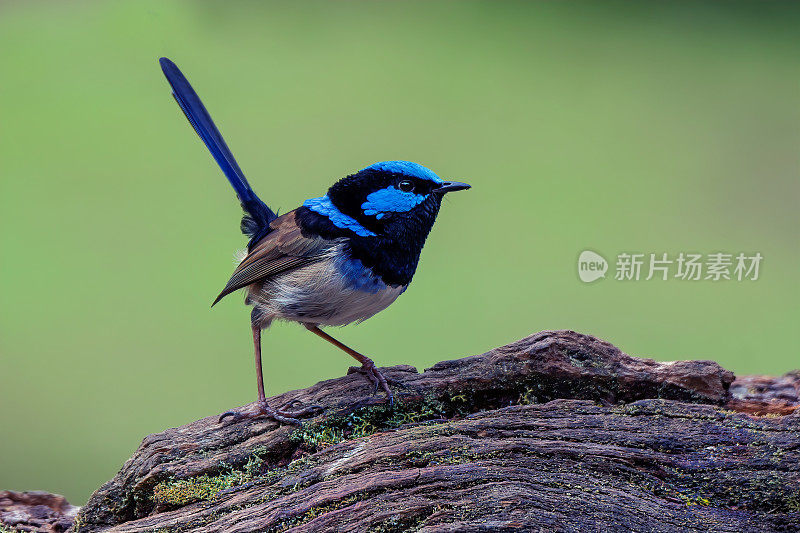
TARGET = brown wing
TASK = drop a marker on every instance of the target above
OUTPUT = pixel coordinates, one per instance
(283, 249)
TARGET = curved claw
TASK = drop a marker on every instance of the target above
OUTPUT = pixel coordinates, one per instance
(371, 372)
(233, 414)
(226, 413)
(288, 420)
(305, 411)
(280, 416)
(367, 374)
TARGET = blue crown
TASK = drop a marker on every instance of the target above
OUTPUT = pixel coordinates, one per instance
(406, 168)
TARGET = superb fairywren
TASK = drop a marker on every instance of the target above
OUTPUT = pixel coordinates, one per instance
(337, 259)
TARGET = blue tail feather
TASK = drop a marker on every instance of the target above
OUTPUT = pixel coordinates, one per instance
(256, 223)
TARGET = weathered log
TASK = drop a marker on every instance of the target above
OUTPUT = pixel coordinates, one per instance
(35, 511)
(556, 432)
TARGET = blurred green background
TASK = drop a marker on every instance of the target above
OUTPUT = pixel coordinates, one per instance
(607, 126)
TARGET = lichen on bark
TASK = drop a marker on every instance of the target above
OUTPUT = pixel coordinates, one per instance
(558, 431)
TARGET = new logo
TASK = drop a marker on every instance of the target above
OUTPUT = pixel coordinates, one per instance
(591, 266)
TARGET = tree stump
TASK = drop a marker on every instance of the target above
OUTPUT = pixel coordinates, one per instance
(556, 432)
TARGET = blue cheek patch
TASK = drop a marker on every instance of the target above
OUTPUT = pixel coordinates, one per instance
(325, 207)
(391, 200)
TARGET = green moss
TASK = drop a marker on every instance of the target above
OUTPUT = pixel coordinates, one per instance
(462, 455)
(768, 490)
(368, 420)
(401, 524)
(314, 512)
(132, 504)
(527, 397)
(684, 485)
(534, 389)
(76, 525)
(180, 492)
(693, 499)
(176, 493)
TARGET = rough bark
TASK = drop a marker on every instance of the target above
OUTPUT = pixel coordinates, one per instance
(35, 511)
(556, 432)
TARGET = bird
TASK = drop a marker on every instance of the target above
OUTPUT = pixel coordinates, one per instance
(338, 259)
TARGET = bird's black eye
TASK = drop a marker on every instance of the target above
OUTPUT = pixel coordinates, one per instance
(405, 186)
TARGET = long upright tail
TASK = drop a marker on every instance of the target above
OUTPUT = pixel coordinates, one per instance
(255, 223)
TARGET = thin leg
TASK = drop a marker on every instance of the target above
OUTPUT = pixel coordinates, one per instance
(285, 417)
(367, 365)
(262, 398)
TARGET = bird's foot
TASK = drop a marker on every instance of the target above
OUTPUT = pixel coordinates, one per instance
(281, 416)
(371, 372)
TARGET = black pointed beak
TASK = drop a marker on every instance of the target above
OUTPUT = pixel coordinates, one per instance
(450, 186)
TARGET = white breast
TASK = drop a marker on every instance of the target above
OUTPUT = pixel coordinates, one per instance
(319, 294)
